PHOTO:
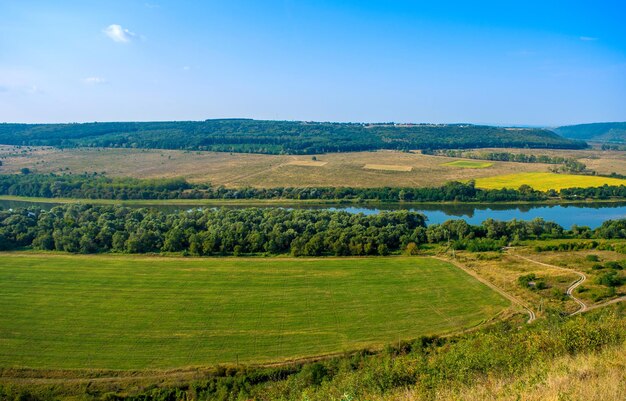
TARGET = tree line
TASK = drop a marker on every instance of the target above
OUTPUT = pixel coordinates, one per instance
(566, 164)
(279, 137)
(95, 229)
(94, 186)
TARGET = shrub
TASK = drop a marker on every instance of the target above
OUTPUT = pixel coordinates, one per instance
(609, 279)
(614, 265)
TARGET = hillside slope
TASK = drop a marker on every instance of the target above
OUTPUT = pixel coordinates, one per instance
(597, 132)
(279, 137)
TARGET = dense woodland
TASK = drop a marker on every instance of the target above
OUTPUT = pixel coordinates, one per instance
(597, 132)
(89, 186)
(279, 137)
(95, 229)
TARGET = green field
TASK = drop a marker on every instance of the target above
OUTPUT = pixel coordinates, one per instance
(124, 312)
(546, 181)
(468, 164)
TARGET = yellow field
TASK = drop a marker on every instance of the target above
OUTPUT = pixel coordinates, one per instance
(468, 164)
(545, 181)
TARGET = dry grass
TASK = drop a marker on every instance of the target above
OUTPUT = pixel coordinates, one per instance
(239, 170)
(503, 270)
(307, 163)
(586, 377)
(576, 260)
(387, 167)
(604, 162)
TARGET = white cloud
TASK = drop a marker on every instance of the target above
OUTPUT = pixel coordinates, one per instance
(588, 38)
(94, 81)
(186, 68)
(119, 34)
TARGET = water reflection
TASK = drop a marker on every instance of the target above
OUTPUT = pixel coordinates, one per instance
(586, 214)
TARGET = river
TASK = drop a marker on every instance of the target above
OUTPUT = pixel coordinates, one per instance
(582, 214)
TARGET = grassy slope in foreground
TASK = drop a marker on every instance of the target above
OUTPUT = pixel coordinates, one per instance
(545, 181)
(114, 312)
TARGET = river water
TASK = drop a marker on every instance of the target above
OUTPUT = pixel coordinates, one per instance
(586, 214)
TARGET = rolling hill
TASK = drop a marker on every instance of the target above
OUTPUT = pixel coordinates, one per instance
(597, 132)
(279, 137)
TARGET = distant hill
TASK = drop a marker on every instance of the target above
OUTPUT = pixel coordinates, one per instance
(276, 137)
(598, 132)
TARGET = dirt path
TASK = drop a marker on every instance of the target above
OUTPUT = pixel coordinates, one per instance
(570, 290)
(612, 301)
(513, 299)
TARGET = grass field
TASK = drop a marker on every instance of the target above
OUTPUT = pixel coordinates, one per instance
(122, 312)
(468, 164)
(545, 181)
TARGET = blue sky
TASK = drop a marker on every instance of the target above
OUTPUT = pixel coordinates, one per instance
(499, 62)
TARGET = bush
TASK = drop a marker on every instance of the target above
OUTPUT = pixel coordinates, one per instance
(412, 248)
(526, 279)
(614, 265)
(609, 279)
(592, 258)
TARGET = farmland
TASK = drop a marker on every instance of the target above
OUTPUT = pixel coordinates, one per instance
(545, 181)
(468, 164)
(124, 312)
(233, 170)
(396, 169)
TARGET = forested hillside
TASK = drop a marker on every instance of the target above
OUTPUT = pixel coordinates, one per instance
(598, 132)
(276, 137)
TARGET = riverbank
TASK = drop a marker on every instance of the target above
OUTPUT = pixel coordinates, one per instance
(293, 202)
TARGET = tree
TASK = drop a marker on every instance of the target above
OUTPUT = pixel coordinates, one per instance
(411, 249)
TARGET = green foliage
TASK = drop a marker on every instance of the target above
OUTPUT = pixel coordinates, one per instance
(532, 281)
(609, 279)
(526, 279)
(279, 137)
(615, 265)
(93, 186)
(597, 132)
(93, 229)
